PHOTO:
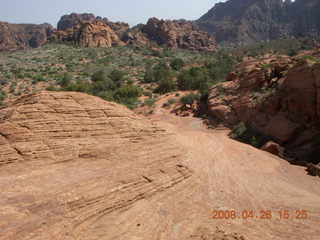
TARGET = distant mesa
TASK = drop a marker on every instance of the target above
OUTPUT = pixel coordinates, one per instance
(236, 21)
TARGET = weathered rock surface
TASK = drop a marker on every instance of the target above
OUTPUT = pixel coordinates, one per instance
(69, 20)
(277, 95)
(68, 159)
(273, 148)
(252, 20)
(180, 34)
(89, 34)
(14, 37)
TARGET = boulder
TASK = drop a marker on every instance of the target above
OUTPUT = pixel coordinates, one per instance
(314, 170)
(273, 148)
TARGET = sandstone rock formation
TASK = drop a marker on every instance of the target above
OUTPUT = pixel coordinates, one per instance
(14, 37)
(277, 95)
(88, 34)
(68, 21)
(181, 34)
(252, 20)
(69, 159)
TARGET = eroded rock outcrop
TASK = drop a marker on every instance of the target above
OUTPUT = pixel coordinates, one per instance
(179, 34)
(88, 34)
(278, 96)
(69, 20)
(68, 159)
(14, 37)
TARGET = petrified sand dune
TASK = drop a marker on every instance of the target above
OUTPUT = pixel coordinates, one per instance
(68, 159)
(77, 167)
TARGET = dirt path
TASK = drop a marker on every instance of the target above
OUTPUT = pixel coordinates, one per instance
(227, 175)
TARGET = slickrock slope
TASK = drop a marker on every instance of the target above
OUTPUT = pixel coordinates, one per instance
(277, 95)
(68, 159)
(89, 34)
(14, 37)
(77, 167)
(254, 20)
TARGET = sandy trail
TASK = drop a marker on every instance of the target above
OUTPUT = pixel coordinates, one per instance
(227, 175)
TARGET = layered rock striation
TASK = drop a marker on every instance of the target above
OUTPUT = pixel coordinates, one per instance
(68, 159)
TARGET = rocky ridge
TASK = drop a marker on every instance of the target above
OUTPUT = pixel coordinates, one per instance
(254, 20)
(14, 37)
(276, 95)
(171, 34)
(178, 34)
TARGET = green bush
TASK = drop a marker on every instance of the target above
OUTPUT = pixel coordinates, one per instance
(165, 86)
(84, 87)
(116, 75)
(177, 64)
(106, 96)
(149, 102)
(99, 76)
(190, 98)
(149, 77)
(243, 132)
(127, 92)
(65, 80)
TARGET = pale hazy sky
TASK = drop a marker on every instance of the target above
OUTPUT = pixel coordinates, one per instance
(130, 11)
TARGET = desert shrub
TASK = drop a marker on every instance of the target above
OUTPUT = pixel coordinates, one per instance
(3, 81)
(106, 96)
(165, 85)
(162, 73)
(190, 98)
(84, 87)
(127, 92)
(177, 64)
(105, 85)
(149, 77)
(116, 75)
(243, 132)
(292, 52)
(65, 80)
(309, 57)
(99, 76)
(2, 97)
(169, 103)
(149, 102)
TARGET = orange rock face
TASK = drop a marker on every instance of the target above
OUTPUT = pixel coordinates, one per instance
(277, 95)
(89, 34)
(180, 34)
(171, 34)
(77, 158)
(14, 37)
